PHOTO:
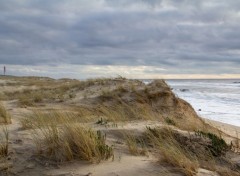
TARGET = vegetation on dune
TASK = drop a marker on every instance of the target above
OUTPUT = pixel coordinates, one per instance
(170, 150)
(117, 100)
(170, 121)
(38, 90)
(217, 146)
(36, 119)
(4, 140)
(4, 115)
(135, 144)
(189, 152)
(59, 136)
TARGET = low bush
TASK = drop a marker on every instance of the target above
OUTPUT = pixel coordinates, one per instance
(218, 146)
(170, 121)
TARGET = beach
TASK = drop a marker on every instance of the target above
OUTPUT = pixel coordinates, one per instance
(214, 99)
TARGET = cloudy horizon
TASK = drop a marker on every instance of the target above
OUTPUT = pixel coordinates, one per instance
(132, 38)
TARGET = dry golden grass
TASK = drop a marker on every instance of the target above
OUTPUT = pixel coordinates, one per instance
(91, 145)
(24, 101)
(74, 115)
(39, 118)
(135, 144)
(171, 151)
(71, 141)
(38, 94)
(189, 152)
(115, 108)
(122, 111)
(60, 137)
(44, 89)
(4, 115)
(4, 138)
(32, 97)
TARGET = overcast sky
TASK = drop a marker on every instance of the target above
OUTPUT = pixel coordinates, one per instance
(133, 38)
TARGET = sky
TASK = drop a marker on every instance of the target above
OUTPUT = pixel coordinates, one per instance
(132, 38)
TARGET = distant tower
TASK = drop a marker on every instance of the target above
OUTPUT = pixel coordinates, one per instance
(4, 70)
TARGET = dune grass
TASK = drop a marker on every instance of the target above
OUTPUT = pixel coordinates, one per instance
(24, 101)
(74, 115)
(4, 139)
(170, 151)
(135, 144)
(72, 141)
(122, 111)
(60, 137)
(37, 119)
(188, 152)
(5, 117)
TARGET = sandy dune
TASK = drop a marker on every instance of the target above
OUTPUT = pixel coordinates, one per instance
(24, 160)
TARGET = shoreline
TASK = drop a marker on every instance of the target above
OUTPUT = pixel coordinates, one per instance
(229, 129)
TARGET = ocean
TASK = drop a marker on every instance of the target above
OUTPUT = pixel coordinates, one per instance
(217, 100)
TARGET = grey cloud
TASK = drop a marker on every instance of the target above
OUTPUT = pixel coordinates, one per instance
(127, 3)
(180, 35)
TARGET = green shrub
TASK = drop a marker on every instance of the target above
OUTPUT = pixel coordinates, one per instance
(170, 121)
(218, 145)
(101, 121)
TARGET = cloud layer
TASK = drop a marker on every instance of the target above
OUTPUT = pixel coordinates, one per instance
(173, 36)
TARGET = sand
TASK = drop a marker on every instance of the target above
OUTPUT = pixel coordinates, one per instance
(231, 130)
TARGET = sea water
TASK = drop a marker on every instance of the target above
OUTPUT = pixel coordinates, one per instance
(217, 100)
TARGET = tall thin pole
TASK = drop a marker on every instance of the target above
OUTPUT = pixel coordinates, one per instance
(4, 70)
